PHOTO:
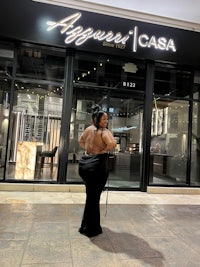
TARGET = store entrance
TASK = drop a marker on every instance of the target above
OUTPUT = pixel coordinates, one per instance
(125, 112)
(126, 118)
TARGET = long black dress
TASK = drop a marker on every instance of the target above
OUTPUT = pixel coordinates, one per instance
(94, 182)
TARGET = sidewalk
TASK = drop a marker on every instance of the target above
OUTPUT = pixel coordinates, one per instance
(40, 229)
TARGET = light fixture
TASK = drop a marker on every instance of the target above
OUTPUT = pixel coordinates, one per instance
(130, 67)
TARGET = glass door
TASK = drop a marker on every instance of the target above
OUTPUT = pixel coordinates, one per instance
(125, 121)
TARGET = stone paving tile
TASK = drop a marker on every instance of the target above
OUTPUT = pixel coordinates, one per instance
(61, 264)
(158, 233)
(147, 262)
(11, 252)
(51, 251)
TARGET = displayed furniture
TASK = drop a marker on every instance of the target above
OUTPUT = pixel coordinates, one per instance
(48, 154)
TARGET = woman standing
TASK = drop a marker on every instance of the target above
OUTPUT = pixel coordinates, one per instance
(97, 141)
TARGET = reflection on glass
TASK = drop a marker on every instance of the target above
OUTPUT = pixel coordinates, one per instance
(34, 62)
(196, 85)
(172, 81)
(169, 142)
(4, 120)
(125, 122)
(195, 163)
(36, 114)
(107, 71)
(35, 133)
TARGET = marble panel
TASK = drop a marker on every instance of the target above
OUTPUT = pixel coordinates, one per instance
(26, 158)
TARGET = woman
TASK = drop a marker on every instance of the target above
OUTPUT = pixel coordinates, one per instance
(97, 140)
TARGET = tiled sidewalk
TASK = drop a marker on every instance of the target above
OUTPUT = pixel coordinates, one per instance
(39, 229)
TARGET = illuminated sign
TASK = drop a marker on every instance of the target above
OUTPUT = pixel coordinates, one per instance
(79, 35)
(128, 84)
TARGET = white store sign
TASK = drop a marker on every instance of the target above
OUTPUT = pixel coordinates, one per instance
(79, 35)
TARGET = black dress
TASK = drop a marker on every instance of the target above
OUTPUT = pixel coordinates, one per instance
(94, 181)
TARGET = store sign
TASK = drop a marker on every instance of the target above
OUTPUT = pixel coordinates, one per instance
(79, 35)
(129, 84)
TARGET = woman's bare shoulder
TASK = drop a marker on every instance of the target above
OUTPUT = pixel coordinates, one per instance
(90, 128)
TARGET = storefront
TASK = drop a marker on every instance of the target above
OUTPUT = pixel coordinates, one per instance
(55, 62)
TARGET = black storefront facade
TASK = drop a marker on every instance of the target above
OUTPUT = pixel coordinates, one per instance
(56, 62)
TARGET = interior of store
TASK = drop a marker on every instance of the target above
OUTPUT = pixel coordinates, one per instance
(37, 111)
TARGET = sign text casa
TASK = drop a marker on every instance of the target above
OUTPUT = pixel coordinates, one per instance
(79, 35)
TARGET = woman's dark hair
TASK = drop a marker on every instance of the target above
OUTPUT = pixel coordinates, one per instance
(97, 113)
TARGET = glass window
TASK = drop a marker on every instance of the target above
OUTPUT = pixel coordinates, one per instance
(172, 81)
(34, 62)
(196, 87)
(5, 86)
(105, 71)
(195, 153)
(169, 141)
(35, 131)
(196, 91)
(6, 71)
(36, 115)
(6, 68)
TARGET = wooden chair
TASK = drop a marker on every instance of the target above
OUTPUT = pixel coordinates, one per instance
(48, 154)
